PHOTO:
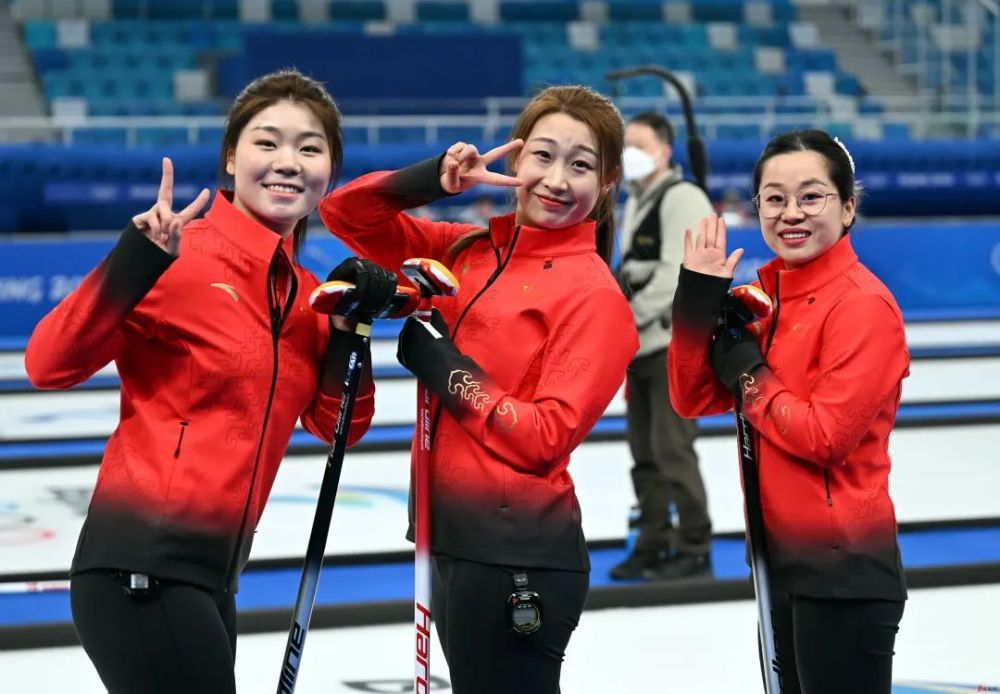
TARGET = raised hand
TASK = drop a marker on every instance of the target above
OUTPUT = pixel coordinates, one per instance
(160, 223)
(463, 167)
(707, 253)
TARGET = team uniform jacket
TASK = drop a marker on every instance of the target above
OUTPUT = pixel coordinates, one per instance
(549, 335)
(822, 407)
(216, 365)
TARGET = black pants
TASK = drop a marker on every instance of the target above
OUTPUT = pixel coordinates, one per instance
(665, 467)
(178, 638)
(470, 610)
(835, 646)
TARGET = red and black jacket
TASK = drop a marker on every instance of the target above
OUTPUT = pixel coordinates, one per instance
(823, 407)
(549, 336)
(219, 355)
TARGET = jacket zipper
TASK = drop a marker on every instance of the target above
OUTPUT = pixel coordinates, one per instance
(277, 319)
(826, 482)
(777, 311)
(180, 440)
(501, 265)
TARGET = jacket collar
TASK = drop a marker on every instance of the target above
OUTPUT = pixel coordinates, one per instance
(245, 233)
(810, 276)
(581, 238)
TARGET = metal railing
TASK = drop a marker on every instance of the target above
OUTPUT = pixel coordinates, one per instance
(923, 117)
(923, 38)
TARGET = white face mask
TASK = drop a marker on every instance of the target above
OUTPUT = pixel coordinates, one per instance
(636, 164)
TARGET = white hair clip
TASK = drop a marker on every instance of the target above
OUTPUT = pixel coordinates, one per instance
(850, 159)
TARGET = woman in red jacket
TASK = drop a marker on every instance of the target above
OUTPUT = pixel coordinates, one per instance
(219, 354)
(534, 347)
(820, 383)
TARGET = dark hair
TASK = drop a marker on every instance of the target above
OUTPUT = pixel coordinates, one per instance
(605, 122)
(839, 164)
(269, 89)
(659, 124)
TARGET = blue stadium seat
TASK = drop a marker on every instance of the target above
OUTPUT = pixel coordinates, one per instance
(127, 9)
(540, 11)
(635, 10)
(105, 137)
(792, 83)
(200, 37)
(393, 135)
(179, 9)
(211, 107)
(461, 134)
(355, 136)
(210, 136)
(284, 10)
(749, 131)
(844, 131)
(357, 10)
(39, 35)
(870, 107)
(430, 11)
(895, 131)
(848, 84)
(783, 11)
(49, 59)
(161, 137)
(989, 131)
(776, 35)
(717, 11)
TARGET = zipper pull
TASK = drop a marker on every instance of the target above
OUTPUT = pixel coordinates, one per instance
(276, 321)
(180, 440)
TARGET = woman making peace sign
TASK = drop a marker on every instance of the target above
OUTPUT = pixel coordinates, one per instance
(540, 336)
(219, 354)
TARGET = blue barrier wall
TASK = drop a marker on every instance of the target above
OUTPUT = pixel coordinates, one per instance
(936, 271)
(86, 188)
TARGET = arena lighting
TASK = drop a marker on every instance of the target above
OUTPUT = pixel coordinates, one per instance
(697, 159)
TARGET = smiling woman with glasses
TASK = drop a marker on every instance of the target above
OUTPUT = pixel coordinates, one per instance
(819, 380)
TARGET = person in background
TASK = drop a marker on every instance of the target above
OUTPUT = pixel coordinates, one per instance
(674, 528)
(219, 356)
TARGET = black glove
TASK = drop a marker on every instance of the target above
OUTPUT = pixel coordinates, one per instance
(734, 313)
(419, 351)
(436, 360)
(735, 353)
(373, 284)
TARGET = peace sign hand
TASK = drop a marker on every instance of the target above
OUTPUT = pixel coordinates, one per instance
(707, 253)
(463, 167)
(160, 224)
